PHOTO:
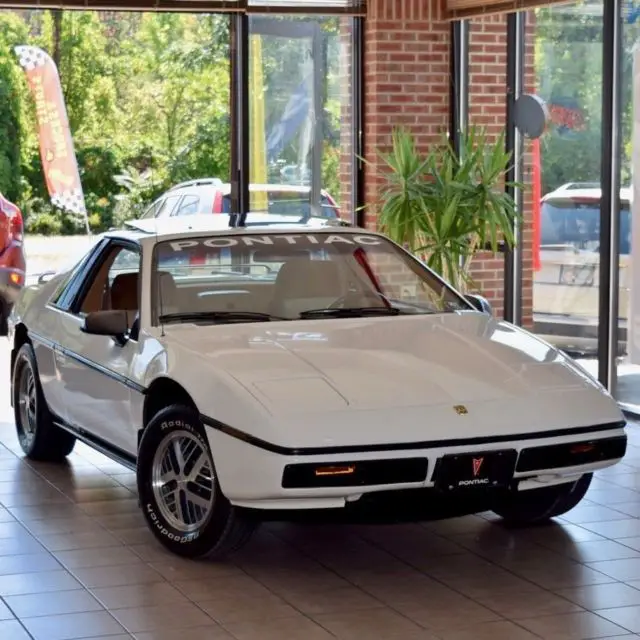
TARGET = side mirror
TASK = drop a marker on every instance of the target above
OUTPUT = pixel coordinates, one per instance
(107, 323)
(43, 278)
(480, 303)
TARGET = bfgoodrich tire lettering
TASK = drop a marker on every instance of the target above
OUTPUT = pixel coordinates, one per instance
(179, 490)
(40, 438)
(535, 506)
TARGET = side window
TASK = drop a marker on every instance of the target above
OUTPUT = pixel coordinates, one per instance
(65, 293)
(152, 211)
(167, 206)
(188, 206)
(114, 283)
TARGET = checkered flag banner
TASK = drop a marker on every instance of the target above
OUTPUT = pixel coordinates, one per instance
(72, 201)
(31, 57)
(59, 161)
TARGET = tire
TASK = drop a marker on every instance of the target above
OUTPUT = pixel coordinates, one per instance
(537, 506)
(40, 438)
(214, 528)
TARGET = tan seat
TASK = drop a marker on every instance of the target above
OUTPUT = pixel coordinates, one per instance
(124, 292)
(302, 285)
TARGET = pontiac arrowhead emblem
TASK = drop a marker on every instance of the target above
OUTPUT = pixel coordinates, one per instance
(477, 463)
(461, 410)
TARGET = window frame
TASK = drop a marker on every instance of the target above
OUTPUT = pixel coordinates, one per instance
(90, 273)
(62, 299)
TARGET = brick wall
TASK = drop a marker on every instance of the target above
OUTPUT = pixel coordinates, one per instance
(487, 107)
(407, 78)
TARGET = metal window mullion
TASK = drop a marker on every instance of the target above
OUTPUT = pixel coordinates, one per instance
(240, 117)
(610, 202)
(513, 144)
(357, 123)
(459, 93)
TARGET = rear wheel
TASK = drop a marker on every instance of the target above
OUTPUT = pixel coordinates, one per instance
(179, 490)
(535, 506)
(40, 438)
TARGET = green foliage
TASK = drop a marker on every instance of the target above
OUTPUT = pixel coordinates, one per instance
(11, 94)
(148, 100)
(444, 208)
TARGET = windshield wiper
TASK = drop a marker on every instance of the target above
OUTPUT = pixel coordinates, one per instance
(218, 316)
(350, 312)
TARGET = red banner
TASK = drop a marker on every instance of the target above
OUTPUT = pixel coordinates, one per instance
(59, 160)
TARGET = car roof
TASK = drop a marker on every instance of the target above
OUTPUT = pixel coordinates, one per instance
(586, 191)
(160, 229)
(225, 187)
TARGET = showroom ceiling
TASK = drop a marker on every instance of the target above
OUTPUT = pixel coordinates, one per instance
(354, 7)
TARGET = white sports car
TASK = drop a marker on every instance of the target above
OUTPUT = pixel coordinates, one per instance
(307, 369)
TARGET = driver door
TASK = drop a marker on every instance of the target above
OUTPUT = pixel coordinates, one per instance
(95, 370)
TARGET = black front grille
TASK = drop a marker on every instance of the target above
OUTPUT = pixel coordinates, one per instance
(365, 473)
(571, 454)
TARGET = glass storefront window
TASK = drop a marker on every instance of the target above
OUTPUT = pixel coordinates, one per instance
(148, 103)
(568, 77)
(300, 115)
(627, 385)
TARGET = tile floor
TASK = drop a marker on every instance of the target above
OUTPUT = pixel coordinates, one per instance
(76, 561)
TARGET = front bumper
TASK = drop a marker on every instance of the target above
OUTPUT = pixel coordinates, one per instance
(253, 477)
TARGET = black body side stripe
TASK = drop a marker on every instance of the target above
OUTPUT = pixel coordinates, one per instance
(401, 446)
(89, 363)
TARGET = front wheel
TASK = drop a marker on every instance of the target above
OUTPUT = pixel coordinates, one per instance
(535, 506)
(179, 491)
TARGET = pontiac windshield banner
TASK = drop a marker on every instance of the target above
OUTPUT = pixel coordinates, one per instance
(59, 162)
(224, 242)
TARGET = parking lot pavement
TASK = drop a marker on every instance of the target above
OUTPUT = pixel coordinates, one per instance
(77, 561)
(49, 253)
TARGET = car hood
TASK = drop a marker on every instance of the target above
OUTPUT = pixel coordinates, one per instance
(441, 368)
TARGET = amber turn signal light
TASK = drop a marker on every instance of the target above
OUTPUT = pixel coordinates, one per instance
(583, 448)
(335, 470)
(15, 278)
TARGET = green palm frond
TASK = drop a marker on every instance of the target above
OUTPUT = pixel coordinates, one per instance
(446, 208)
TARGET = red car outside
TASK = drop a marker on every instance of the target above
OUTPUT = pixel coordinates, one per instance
(12, 258)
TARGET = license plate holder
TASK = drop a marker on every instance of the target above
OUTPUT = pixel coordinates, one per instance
(482, 470)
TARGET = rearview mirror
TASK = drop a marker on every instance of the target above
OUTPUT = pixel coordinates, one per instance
(480, 303)
(107, 323)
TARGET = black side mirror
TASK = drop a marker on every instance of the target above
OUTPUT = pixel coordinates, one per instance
(43, 278)
(480, 303)
(107, 323)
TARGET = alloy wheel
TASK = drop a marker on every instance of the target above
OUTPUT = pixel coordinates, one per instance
(183, 481)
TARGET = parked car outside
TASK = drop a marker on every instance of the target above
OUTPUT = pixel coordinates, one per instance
(12, 258)
(566, 288)
(211, 195)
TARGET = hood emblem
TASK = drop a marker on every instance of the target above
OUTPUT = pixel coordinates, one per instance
(461, 410)
(477, 463)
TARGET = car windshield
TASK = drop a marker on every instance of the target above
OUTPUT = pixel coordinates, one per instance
(257, 278)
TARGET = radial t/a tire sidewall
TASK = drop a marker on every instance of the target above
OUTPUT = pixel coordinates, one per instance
(194, 544)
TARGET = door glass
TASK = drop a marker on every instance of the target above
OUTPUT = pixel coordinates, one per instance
(566, 45)
(627, 381)
(300, 111)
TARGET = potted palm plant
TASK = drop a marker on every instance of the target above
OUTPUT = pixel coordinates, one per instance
(446, 207)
